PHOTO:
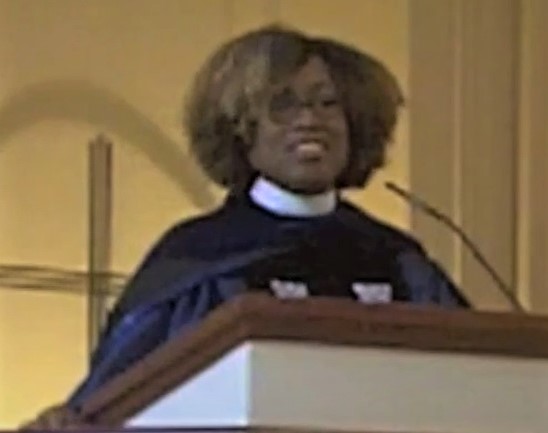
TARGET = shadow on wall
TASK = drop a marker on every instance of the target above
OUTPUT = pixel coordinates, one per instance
(82, 101)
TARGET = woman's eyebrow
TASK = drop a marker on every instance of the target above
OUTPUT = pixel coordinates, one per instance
(318, 86)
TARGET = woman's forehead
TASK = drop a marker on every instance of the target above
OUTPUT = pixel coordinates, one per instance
(312, 75)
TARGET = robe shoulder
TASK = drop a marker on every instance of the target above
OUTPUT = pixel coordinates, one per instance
(182, 241)
(381, 233)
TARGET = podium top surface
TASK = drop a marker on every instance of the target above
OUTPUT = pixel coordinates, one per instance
(336, 322)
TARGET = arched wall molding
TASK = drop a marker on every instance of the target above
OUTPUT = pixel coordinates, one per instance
(76, 100)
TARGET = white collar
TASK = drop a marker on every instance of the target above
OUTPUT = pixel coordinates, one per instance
(280, 201)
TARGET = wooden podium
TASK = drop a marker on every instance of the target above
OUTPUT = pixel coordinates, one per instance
(262, 364)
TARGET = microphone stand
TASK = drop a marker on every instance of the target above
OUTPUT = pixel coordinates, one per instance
(504, 288)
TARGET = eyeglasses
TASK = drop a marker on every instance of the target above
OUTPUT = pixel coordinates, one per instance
(285, 106)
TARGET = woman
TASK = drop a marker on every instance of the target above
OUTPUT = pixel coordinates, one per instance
(284, 122)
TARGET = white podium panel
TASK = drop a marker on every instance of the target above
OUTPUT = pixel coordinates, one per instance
(326, 387)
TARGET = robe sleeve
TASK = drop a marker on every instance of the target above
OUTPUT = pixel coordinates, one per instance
(426, 282)
(130, 332)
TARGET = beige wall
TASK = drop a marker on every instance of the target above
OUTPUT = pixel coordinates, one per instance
(478, 133)
(532, 230)
(69, 70)
(463, 78)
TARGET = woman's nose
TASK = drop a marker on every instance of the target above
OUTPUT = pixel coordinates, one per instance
(306, 116)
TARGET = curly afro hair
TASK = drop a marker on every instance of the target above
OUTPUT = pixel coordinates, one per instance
(221, 111)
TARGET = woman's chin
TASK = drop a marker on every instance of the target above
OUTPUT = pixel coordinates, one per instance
(309, 186)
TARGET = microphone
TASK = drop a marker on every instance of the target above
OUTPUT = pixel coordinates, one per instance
(415, 201)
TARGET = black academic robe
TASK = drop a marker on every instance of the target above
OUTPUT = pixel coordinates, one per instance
(199, 264)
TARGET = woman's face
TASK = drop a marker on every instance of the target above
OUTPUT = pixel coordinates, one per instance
(301, 140)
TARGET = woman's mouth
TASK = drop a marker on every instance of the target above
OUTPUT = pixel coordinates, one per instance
(310, 150)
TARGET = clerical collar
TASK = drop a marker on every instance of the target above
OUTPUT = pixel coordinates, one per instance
(280, 201)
